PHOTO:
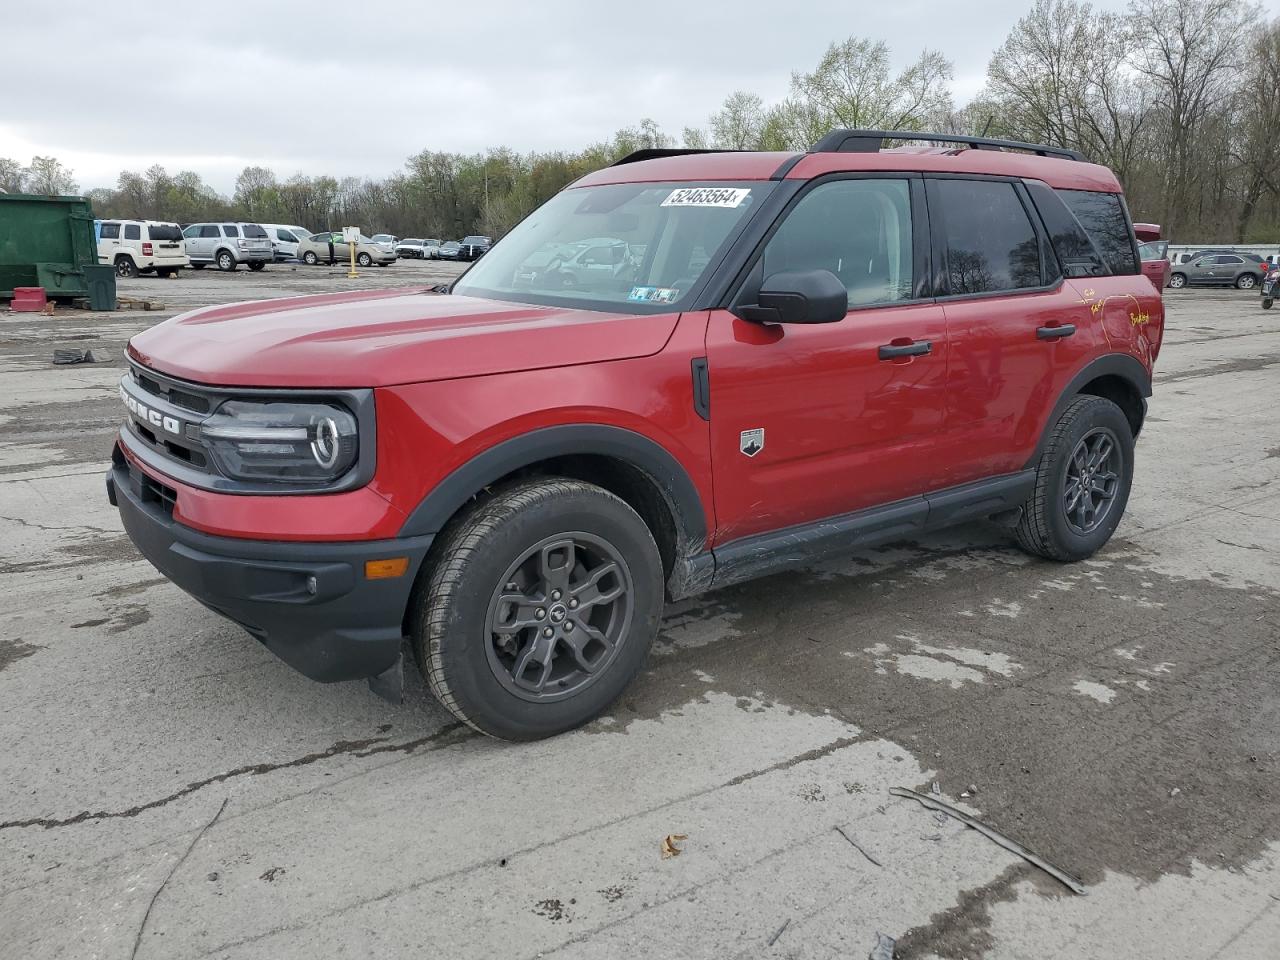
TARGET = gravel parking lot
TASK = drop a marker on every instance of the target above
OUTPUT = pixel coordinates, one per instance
(1121, 717)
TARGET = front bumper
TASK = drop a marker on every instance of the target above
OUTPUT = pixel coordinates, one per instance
(308, 603)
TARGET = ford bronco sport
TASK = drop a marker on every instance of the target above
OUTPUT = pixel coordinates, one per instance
(785, 355)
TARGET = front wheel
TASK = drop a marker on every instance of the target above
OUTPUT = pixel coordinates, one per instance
(364, 260)
(310, 259)
(1246, 281)
(1082, 482)
(539, 608)
(226, 261)
(125, 267)
(1178, 281)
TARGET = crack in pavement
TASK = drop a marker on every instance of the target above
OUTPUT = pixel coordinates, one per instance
(49, 528)
(356, 748)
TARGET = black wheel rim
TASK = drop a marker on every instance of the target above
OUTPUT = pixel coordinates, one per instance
(1091, 481)
(559, 617)
(122, 269)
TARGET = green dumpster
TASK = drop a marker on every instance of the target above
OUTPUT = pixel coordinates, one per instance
(46, 242)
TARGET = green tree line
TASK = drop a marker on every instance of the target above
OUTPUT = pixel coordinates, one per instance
(1181, 98)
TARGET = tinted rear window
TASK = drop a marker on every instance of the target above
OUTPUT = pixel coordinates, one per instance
(165, 231)
(255, 231)
(132, 231)
(1103, 217)
(230, 230)
(991, 244)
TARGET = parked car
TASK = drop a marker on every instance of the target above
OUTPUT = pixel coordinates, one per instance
(517, 476)
(473, 248)
(1155, 262)
(329, 247)
(141, 246)
(285, 239)
(449, 250)
(1240, 270)
(228, 245)
(424, 249)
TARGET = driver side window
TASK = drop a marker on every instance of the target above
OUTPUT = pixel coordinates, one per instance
(860, 230)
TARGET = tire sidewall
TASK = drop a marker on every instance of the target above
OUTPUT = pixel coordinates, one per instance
(1177, 281)
(1098, 414)
(462, 645)
(223, 259)
(310, 259)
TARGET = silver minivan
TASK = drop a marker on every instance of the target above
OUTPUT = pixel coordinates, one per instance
(227, 245)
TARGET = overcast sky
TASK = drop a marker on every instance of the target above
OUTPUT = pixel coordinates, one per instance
(315, 88)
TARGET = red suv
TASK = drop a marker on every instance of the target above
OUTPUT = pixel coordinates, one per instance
(754, 359)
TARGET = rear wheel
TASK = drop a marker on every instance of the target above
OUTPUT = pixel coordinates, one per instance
(257, 265)
(1178, 280)
(310, 259)
(1246, 281)
(196, 266)
(1082, 482)
(226, 261)
(540, 608)
(125, 267)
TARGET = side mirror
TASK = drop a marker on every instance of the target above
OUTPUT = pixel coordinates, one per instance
(798, 296)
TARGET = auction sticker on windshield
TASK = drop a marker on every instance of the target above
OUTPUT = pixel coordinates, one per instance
(653, 294)
(707, 197)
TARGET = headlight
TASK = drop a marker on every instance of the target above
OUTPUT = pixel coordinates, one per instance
(282, 441)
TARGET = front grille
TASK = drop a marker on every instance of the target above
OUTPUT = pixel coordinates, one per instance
(153, 491)
(168, 420)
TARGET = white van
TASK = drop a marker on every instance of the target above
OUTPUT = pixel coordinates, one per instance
(141, 246)
(285, 239)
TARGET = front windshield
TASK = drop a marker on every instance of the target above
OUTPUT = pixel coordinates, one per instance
(638, 247)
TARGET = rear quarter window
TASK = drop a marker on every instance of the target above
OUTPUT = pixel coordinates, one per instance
(230, 230)
(1105, 220)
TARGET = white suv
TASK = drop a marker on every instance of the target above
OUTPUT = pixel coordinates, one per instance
(227, 245)
(141, 246)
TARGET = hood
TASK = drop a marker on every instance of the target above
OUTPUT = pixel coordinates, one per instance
(381, 338)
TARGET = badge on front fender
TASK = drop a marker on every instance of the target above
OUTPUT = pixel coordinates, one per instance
(751, 442)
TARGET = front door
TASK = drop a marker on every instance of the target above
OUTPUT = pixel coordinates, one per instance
(810, 422)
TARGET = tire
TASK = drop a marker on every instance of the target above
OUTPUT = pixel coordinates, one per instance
(364, 260)
(125, 267)
(1246, 281)
(226, 261)
(1266, 303)
(1178, 280)
(257, 265)
(164, 273)
(1047, 527)
(196, 266)
(502, 548)
(310, 259)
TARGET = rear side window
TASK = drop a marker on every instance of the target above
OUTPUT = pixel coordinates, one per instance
(111, 231)
(254, 231)
(230, 230)
(209, 230)
(990, 242)
(133, 231)
(860, 230)
(1075, 251)
(1103, 217)
(164, 231)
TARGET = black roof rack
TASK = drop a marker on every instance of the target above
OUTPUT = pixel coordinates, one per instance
(871, 141)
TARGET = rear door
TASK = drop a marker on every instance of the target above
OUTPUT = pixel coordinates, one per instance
(813, 421)
(131, 243)
(1017, 329)
(108, 241)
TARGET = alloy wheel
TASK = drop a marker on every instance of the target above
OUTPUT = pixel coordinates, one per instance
(1092, 480)
(559, 617)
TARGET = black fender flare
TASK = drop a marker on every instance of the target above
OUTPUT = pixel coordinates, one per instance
(1122, 365)
(666, 472)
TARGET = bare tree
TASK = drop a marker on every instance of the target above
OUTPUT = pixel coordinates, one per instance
(47, 176)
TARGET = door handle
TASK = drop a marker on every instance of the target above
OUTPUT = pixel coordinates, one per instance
(891, 351)
(1055, 333)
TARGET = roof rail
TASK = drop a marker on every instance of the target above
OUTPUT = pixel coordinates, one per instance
(652, 153)
(871, 141)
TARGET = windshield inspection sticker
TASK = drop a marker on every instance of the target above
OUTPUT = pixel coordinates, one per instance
(707, 197)
(653, 294)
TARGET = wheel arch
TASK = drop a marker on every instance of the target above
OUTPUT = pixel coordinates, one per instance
(628, 464)
(1119, 377)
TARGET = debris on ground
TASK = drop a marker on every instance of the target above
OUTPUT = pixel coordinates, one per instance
(774, 939)
(1174, 792)
(883, 950)
(857, 846)
(965, 794)
(933, 803)
(669, 848)
(67, 356)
